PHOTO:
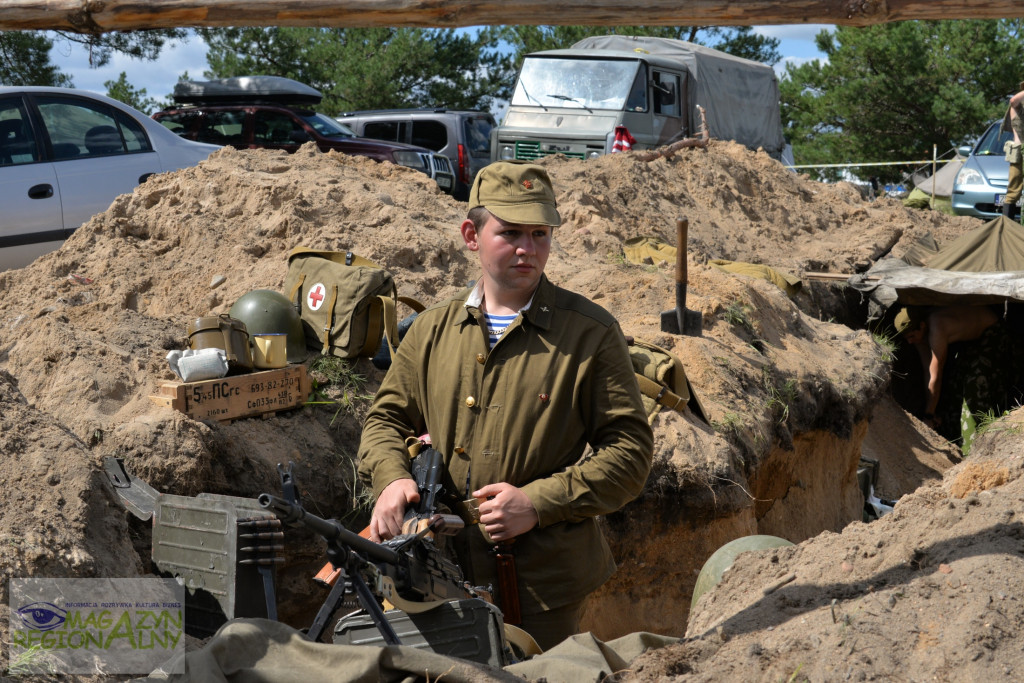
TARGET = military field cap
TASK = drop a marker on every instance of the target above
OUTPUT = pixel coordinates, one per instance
(906, 320)
(516, 192)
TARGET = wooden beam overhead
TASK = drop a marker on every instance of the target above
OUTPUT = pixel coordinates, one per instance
(100, 16)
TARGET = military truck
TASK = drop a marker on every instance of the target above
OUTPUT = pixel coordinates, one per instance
(572, 101)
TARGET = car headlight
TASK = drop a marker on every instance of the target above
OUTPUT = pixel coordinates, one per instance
(412, 160)
(507, 153)
(969, 176)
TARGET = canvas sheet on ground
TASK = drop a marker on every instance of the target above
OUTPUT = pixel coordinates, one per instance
(251, 650)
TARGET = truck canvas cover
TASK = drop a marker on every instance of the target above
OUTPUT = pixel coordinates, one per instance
(270, 89)
(740, 96)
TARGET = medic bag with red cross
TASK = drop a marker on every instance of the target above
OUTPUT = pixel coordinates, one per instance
(346, 303)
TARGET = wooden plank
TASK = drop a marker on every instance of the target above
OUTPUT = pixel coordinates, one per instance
(231, 398)
(94, 16)
(836, 276)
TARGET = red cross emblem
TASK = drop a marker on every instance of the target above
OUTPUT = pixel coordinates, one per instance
(315, 296)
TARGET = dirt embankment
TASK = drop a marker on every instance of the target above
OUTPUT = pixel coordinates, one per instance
(790, 395)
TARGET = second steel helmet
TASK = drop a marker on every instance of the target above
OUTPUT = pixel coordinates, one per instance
(265, 311)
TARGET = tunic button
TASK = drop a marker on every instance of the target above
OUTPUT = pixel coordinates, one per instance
(480, 358)
(470, 401)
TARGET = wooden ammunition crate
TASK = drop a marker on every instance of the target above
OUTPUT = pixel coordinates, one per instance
(230, 398)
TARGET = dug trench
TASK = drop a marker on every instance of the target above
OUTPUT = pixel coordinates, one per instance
(794, 391)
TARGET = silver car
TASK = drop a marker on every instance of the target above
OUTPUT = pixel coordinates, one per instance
(981, 183)
(65, 155)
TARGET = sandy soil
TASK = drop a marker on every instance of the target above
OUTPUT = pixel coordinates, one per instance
(929, 592)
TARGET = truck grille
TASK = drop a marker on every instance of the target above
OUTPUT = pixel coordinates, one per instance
(528, 150)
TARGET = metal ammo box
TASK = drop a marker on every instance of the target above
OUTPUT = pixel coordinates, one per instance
(471, 629)
(223, 549)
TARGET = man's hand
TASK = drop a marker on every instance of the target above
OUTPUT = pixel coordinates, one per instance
(505, 512)
(389, 512)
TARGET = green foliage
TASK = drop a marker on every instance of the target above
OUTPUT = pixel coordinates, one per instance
(142, 45)
(33, 660)
(738, 314)
(123, 91)
(373, 68)
(888, 343)
(890, 92)
(731, 423)
(779, 397)
(335, 384)
(25, 60)
(25, 55)
(736, 40)
(796, 672)
(973, 425)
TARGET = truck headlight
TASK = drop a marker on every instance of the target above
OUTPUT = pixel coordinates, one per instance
(593, 154)
(507, 153)
(412, 160)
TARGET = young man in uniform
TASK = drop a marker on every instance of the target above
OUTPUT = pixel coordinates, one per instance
(513, 380)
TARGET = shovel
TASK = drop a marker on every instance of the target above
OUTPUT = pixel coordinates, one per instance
(680, 320)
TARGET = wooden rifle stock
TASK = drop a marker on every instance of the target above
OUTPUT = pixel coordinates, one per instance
(508, 583)
(328, 575)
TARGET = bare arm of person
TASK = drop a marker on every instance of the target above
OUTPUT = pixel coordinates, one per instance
(939, 344)
(1015, 111)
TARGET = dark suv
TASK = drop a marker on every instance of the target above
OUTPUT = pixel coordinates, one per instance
(270, 112)
(462, 136)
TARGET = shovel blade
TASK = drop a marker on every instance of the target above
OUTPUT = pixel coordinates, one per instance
(670, 322)
(693, 323)
(686, 322)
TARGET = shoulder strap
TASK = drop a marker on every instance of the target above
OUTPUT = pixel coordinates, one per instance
(383, 313)
(660, 393)
(676, 377)
(347, 258)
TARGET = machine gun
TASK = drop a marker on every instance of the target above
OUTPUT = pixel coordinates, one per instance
(432, 481)
(409, 571)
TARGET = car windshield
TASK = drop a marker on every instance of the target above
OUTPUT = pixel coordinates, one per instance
(328, 127)
(991, 143)
(577, 83)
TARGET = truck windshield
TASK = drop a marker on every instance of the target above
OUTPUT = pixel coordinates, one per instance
(580, 83)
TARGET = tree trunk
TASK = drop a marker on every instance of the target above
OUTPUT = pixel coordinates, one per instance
(99, 16)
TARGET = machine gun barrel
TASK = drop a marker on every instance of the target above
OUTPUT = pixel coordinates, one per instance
(331, 530)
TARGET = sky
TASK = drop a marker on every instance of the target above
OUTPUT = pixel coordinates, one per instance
(796, 44)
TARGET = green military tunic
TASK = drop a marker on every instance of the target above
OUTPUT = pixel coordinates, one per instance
(560, 378)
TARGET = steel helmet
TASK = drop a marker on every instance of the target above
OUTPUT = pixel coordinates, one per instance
(265, 311)
(715, 566)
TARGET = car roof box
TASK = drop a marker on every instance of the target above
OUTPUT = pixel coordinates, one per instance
(271, 89)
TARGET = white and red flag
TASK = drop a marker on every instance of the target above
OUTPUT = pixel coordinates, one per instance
(623, 140)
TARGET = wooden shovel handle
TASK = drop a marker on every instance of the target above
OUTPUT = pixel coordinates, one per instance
(682, 228)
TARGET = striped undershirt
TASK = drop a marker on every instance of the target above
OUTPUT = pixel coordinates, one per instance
(496, 326)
